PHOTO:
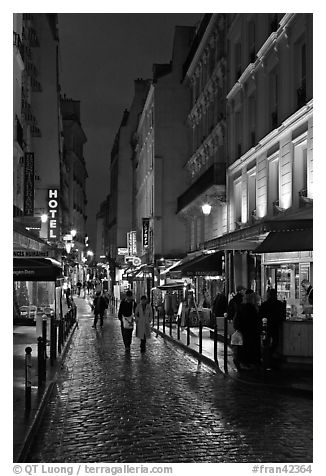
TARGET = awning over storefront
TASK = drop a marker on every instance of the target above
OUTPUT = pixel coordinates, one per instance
(281, 241)
(36, 269)
(207, 264)
(139, 273)
(298, 227)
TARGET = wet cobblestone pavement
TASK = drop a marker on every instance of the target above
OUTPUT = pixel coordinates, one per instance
(162, 406)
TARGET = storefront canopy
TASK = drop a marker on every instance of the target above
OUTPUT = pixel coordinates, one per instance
(296, 228)
(281, 241)
(36, 269)
(208, 264)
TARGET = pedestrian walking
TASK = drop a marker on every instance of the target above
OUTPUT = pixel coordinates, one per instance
(126, 317)
(79, 285)
(143, 317)
(274, 311)
(99, 306)
(247, 322)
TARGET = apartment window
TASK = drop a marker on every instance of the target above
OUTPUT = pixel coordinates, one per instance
(237, 201)
(273, 22)
(273, 182)
(251, 194)
(273, 99)
(300, 172)
(252, 121)
(211, 61)
(237, 61)
(238, 134)
(301, 62)
(251, 42)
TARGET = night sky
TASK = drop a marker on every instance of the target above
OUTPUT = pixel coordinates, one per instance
(101, 55)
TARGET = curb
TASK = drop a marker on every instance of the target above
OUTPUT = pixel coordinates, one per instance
(292, 389)
(37, 419)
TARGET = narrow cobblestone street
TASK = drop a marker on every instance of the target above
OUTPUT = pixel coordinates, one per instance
(162, 406)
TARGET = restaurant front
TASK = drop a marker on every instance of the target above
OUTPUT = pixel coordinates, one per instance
(276, 253)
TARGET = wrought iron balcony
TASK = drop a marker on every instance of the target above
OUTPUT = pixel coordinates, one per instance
(35, 85)
(215, 175)
(35, 131)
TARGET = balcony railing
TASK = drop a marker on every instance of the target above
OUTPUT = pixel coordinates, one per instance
(215, 175)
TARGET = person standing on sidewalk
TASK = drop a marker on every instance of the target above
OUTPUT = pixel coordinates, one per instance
(79, 285)
(275, 312)
(144, 317)
(99, 306)
(126, 316)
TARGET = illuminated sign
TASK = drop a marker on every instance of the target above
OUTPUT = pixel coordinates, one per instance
(132, 243)
(122, 251)
(53, 208)
(29, 184)
(145, 233)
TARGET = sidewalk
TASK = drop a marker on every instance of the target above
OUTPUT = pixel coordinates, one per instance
(25, 424)
(297, 379)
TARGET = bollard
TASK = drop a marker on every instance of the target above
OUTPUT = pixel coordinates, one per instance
(200, 337)
(164, 322)
(53, 335)
(178, 328)
(225, 342)
(60, 335)
(215, 342)
(44, 334)
(188, 333)
(170, 325)
(40, 362)
(28, 378)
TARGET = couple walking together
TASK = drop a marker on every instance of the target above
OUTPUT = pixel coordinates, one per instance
(142, 314)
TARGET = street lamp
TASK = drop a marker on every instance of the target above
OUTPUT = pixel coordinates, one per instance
(44, 218)
(206, 208)
(73, 233)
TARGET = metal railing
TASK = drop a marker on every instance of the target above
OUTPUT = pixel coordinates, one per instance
(171, 325)
(60, 330)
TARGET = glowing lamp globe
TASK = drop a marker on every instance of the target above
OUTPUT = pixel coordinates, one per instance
(206, 208)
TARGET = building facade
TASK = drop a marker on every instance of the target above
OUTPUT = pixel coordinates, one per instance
(73, 171)
(37, 142)
(121, 205)
(161, 150)
(270, 164)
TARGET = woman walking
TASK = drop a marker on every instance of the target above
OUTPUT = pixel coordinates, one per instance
(144, 316)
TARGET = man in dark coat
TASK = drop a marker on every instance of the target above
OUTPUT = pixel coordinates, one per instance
(275, 313)
(235, 302)
(126, 309)
(99, 306)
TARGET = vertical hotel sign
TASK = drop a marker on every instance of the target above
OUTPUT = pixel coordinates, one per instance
(29, 184)
(145, 233)
(53, 210)
(132, 243)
